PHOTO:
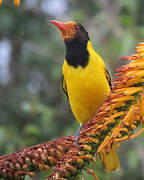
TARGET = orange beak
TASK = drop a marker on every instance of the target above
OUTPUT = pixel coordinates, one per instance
(62, 26)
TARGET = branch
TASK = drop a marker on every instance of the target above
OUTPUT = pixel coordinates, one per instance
(114, 122)
(35, 158)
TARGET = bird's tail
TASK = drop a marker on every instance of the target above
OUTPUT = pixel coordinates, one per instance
(110, 159)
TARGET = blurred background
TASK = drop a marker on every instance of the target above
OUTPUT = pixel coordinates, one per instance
(33, 108)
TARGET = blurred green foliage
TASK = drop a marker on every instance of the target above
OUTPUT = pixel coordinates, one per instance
(33, 108)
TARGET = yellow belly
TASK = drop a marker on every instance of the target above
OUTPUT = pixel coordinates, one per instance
(86, 87)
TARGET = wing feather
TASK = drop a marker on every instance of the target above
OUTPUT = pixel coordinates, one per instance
(108, 78)
(64, 86)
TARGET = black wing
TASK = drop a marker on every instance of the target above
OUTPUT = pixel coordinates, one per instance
(108, 78)
(64, 86)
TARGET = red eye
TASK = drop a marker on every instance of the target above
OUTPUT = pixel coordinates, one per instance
(77, 28)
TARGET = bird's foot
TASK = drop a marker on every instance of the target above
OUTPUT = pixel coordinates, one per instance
(77, 136)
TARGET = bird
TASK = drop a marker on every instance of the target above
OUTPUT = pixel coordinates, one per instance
(85, 81)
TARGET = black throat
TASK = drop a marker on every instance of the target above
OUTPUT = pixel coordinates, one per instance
(77, 53)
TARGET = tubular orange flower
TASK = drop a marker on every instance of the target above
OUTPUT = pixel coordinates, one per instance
(17, 2)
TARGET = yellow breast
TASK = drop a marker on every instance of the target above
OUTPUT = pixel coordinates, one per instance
(86, 87)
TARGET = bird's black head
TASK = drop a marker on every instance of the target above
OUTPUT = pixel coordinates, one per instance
(76, 38)
(71, 31)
